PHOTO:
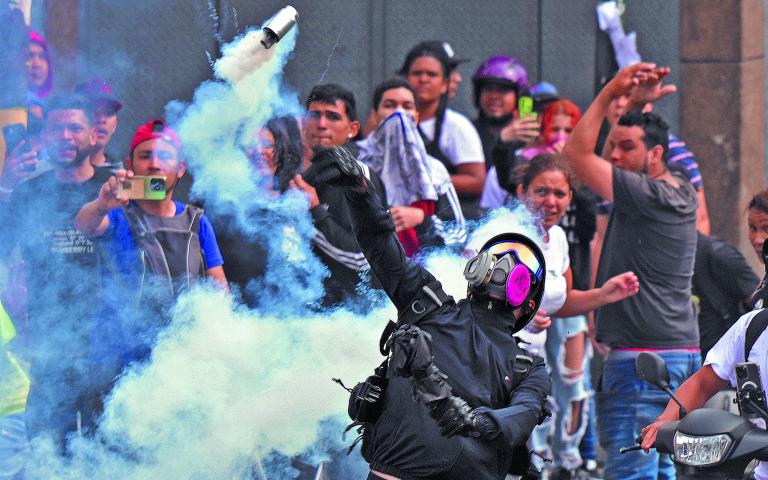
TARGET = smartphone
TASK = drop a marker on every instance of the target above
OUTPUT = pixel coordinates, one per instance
(140, 187)
(14, 134)
(748, 383)
(525, 107)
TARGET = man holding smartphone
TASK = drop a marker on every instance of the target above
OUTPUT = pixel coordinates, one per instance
(156, 152)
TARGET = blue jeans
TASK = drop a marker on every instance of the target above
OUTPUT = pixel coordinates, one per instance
(625, 404)
(588, 445)
(567, 387)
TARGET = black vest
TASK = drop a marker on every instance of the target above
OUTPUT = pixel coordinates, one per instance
(169, 247)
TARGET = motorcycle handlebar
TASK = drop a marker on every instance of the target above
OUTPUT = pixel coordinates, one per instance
(665, 437)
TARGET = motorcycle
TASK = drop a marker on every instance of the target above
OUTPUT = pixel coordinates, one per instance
(709, 443)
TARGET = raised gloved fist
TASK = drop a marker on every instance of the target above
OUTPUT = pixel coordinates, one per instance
(411, 351)
(335, 166)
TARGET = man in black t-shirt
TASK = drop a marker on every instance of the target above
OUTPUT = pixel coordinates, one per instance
(62, 267)
(104, 109)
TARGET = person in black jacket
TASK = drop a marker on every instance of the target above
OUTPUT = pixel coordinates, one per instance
(724, 282)
(332, 121)
(458, 359)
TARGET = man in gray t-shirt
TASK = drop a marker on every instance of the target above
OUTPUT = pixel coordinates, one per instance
(652, 232)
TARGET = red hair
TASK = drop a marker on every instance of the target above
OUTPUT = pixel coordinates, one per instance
(559, 107)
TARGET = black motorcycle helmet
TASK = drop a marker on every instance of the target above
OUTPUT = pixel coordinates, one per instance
(501, 257)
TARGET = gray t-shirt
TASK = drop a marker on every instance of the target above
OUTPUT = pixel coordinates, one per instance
(652, 232)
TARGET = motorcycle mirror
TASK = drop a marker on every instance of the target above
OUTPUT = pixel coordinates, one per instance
(652, 368)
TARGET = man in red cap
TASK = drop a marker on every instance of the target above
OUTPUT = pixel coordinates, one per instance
(160, 229)
(104, 108)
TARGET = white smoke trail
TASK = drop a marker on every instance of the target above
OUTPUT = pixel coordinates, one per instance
(224, 387)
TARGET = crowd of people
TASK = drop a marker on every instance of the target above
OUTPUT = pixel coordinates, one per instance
(626, 262)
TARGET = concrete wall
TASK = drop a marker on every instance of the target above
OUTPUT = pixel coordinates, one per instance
(723, 106)
(155, 51)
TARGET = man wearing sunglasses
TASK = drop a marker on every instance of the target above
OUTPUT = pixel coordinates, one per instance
(477, 399)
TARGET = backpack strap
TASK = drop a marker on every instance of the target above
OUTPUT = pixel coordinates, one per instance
(756, 327)
(430, 298)
(427, 300)
(196, 214)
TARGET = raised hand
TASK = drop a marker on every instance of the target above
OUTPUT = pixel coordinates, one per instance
(108, 199)
(651, 89)
(630, 77)
(335, 166)
(521, 130)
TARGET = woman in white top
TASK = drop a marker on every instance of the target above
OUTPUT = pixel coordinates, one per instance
(545, 185)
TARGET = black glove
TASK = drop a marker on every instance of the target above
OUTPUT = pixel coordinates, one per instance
(411, 351)
(453, 415)
(485, 425)
(456, 417)
(335, 166)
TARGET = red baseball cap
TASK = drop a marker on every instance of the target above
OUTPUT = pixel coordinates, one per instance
(156, 129)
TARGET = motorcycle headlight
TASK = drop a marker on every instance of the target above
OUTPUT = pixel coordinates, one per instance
(701, 451)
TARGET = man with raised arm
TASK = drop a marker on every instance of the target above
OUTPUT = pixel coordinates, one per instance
(651, 231)
(461, 397)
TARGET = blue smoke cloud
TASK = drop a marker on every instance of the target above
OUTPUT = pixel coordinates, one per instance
(226, 391)
(231, 392)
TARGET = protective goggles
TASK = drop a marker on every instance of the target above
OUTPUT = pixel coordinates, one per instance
(522, 253)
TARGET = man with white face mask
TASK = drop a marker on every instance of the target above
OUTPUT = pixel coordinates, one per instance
(420, 193)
